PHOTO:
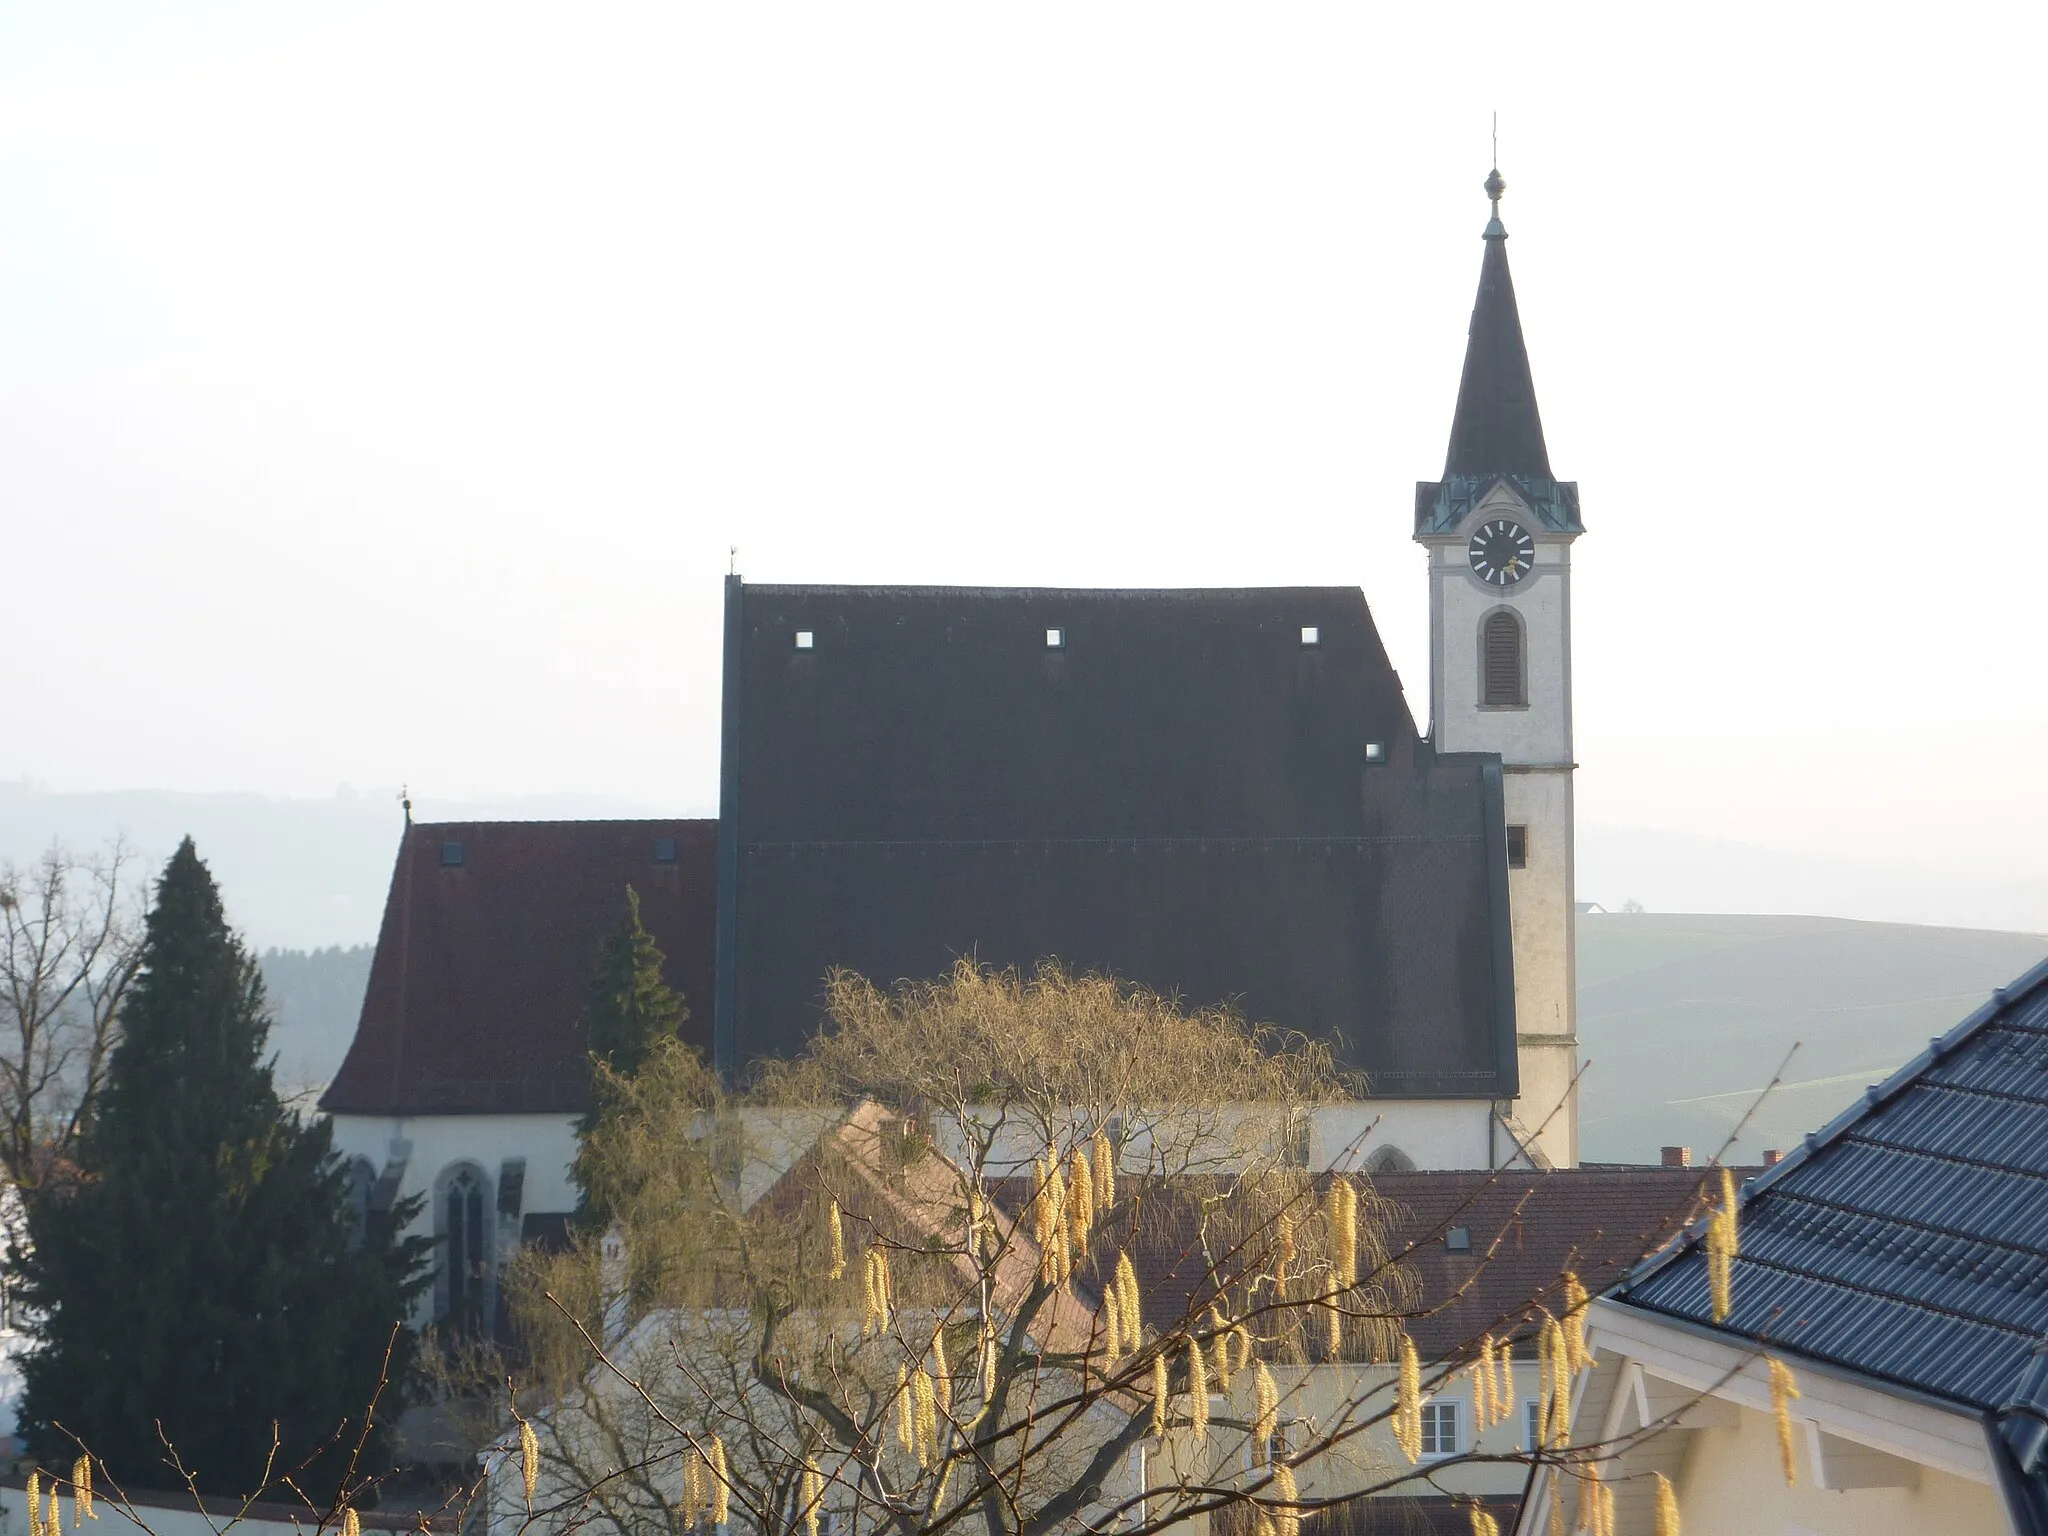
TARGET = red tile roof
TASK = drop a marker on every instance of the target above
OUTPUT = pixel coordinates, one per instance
(483, 966)
(1526, 1228)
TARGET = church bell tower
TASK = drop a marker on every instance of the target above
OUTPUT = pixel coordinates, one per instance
(1499, 529)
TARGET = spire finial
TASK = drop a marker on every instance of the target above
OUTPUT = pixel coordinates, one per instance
(1495, 230)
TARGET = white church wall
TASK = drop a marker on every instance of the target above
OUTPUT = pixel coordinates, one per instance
(1429, 1133)
(1540, 906)
(435, 1147)
(432, 1145)
(1540, 900)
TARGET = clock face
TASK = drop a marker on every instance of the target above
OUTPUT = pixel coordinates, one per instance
(1502, 553)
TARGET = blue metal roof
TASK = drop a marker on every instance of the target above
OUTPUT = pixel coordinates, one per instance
(1908, 1241)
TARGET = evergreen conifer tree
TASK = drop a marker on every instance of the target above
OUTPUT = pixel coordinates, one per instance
(203, 1269)
(631, 1011)
(631, 1008)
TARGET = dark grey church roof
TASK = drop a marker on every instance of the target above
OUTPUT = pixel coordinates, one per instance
(1180, 793)
(1908, 1241)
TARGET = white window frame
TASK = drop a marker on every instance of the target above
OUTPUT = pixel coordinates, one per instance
(1433, 1416)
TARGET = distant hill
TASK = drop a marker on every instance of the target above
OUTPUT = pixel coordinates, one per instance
(315, 999)
(1678, 872)
(296, 873)
(1685, 1018)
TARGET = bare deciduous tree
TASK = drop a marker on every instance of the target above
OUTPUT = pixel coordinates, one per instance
(1013, 1256)
(1005, 1257)
(70, 935)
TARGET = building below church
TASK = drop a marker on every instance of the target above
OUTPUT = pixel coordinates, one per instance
(1219, 793)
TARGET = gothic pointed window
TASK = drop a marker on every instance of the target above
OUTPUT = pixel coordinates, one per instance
(1503, 673)
(1389, 1160)
(361, 1180)
(465, 1256)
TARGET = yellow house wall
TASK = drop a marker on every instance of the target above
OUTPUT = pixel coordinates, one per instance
(1731, 1484)
(1320, 1394)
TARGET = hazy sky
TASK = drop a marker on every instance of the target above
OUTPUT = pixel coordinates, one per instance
(381, 387)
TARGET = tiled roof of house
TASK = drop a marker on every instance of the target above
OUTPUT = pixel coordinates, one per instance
(1908, 1241)
(483, 963)
(1524, 1228)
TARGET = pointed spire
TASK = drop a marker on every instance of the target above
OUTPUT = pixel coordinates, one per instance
(1497, 430)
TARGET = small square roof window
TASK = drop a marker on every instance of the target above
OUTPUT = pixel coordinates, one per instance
(664, 850)
(1375, 751)
(451, 855)
(806, 640)
(1310, 635)
(1055, 639)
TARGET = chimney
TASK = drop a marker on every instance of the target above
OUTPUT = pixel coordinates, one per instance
(1771, 1157)
(1677, 1157)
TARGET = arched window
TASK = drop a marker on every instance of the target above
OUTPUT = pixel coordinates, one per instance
(1300, 1144)
(361, 1179)
(1501, 671)
(465, 1253)
(1390, 1160)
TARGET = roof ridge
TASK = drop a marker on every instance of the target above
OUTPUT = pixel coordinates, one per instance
(567, 821)
(917, 589)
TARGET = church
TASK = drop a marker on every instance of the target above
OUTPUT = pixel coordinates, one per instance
(1218, 793)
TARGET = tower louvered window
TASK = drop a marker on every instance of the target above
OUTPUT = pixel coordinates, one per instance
(1500, 644)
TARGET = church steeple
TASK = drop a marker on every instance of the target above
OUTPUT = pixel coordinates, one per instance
(1497, 432)
(1497, 429)
(1499, 529)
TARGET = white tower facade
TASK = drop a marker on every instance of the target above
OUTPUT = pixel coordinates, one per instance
(1499, 529)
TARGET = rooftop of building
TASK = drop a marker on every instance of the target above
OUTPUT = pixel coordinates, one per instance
(1907, 1241)
(1217, 794)
(483, 964)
